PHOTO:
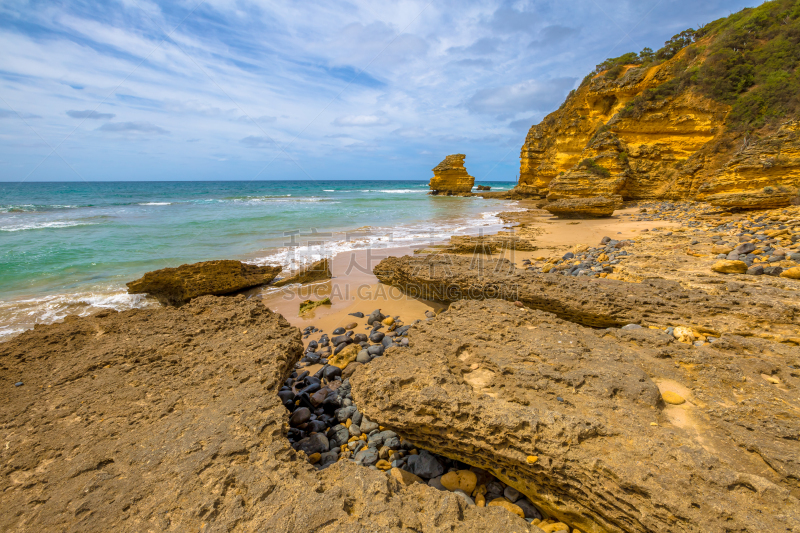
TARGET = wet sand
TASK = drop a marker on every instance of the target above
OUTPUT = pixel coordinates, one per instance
(355, 288)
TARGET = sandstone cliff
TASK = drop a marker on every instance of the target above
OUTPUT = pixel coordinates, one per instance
(683, 123)
(450, 176)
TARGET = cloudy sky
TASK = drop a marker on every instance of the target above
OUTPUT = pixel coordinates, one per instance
(256, 89)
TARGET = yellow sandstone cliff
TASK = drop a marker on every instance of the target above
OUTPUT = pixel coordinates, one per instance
(674, 148)
(450, 176)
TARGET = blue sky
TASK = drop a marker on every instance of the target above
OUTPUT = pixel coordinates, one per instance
(239, 89)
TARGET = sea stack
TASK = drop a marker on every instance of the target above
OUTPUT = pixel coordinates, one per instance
(450, 176)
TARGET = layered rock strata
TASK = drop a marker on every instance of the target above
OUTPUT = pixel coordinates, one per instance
(318, 271)
(450, 176)
(676, 147)
(607, 430)
(588, 301)
(176, 286)
(597, 207)
(168, 419)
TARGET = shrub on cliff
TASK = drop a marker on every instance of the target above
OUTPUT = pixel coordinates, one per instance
(590, 165)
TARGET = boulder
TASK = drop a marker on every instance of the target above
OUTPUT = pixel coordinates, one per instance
(597, 207)
(318, 271)
(168, 419)
(176, 286)
(767, 198)
(450, 176)
(494, 384)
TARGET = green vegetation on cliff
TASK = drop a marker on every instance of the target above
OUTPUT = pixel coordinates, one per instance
(748, 60)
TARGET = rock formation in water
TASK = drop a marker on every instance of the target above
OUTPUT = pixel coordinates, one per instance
(450, 176)
(176, 286)
(168, 419)
(662, 126)
(623, 430)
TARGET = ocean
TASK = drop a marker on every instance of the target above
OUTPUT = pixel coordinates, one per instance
(71, 247)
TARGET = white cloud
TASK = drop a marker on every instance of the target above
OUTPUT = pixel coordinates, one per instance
(361, 120)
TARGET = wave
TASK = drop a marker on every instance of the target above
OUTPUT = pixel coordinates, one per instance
(17, 316)
(419, 235)
(57, 224)
(155, 203)
(31, 208)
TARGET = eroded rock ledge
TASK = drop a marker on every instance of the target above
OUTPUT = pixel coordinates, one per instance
(176, 286)
(574, 418)
(168, 419)
(589, 301)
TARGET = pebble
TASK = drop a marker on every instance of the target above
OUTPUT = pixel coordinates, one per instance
(436, 482)
(424, 465)
(465, 480)
(405, 477)
(18, 384)
(529, 509)
(672, 398)
(502, 502)
(357, 314)
(511, 494)
(727, 266)
(464, 496)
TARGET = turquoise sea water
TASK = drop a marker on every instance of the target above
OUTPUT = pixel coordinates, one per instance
(70, 247)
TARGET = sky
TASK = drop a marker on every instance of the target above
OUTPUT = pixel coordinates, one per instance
(264, 90)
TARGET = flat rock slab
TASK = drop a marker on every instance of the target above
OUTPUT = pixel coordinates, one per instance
(492, 385)
(168, 419)
(589, 301)
(176, 286)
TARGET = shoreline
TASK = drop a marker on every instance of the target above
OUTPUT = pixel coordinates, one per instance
(359, 290)
(23, 311)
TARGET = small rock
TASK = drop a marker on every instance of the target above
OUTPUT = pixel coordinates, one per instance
(632, 326)
(367, 457)
(755, 270)
(530, 510)
(791, 273)
(460, 480)
(511, 494)
(464, 496)
(730, 267)
(300, 416)
(672, 398)
(18, 384)
(424, 465)
(338, 331)
(404, 477)
(436, 482)
(502, 502)
(357, 314)
(383, 465)
(316, 443)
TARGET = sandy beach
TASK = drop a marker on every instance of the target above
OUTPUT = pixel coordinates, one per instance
(355, 288)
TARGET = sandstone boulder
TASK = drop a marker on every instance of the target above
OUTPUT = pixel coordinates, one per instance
(450, 176)
(319, 271)
(168, 419)
(760, 199)
(176, 286)
(597, 207)
(491, 384)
